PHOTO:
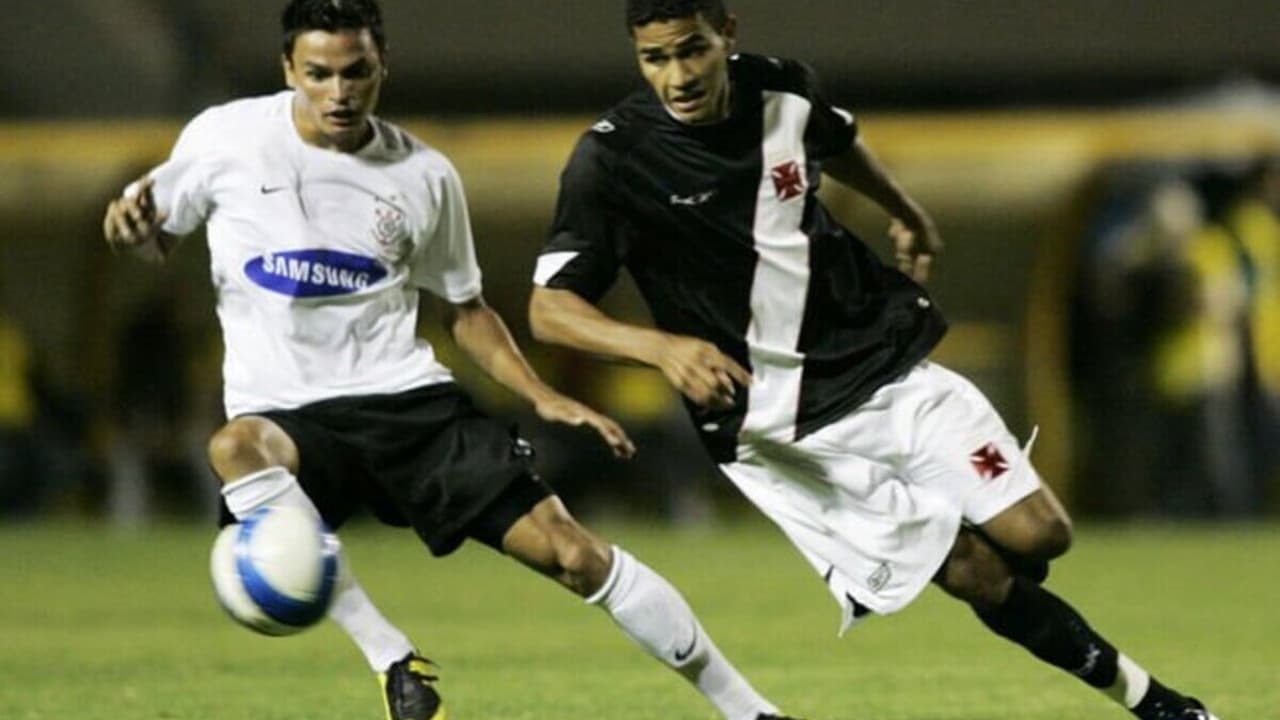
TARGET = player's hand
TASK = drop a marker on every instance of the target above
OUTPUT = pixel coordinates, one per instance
(916, 243)
(701, 372)
(554, 407)
(133, 222)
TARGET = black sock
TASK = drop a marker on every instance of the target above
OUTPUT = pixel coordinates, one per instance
(1042, 623)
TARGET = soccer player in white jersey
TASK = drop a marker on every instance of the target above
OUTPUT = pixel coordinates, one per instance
(324, 225)
(802, 358)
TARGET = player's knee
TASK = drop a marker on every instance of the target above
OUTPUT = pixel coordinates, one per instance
(242, 446)
(228, 447)
(1052, 537)
(1037, 528)
(975, 573)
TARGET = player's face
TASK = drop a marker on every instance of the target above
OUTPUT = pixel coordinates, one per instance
(686, 61)
(337, 77)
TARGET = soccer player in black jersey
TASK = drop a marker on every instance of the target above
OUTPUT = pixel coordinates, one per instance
(801, 357)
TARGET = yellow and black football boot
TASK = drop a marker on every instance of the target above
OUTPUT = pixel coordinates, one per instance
(409, 690)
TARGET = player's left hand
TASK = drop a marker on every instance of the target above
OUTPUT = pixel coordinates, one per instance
(916, 243)
(555, 407)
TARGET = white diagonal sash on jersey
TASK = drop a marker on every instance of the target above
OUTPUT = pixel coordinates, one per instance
(781, 281)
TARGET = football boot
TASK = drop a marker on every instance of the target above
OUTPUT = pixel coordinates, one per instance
(409, 690)
(1197, 711)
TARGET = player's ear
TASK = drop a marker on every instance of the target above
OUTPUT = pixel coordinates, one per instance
(730, 32)
(287, 66)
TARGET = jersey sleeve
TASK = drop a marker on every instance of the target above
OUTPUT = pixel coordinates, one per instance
(586, 244)
(445, 263)
(831, 129)
(181, 183)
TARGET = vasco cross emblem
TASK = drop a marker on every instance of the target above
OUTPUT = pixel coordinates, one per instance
(788, 180)
(988, 461)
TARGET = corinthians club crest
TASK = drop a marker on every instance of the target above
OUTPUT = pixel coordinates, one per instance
(389, 232)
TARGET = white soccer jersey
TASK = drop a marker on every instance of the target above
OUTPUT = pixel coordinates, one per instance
(317, 255)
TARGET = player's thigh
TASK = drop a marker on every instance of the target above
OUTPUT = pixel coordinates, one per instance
(962, 450)
(327, 466)
(1037, 525)
(248, 444)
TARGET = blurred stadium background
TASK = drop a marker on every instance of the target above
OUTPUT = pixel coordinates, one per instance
(1129, 329)
(1104, 173)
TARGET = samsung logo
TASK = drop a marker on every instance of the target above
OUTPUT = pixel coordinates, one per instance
(314, 273)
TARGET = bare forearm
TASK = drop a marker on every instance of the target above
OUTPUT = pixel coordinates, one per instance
(561, 317)
(697, 368)
(484, 337)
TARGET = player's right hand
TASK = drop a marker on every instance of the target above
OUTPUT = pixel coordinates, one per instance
(701, 372)
(133, 222)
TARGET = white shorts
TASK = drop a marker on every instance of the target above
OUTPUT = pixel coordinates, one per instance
(875, 500)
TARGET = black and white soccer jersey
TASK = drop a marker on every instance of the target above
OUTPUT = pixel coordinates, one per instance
(721, 229)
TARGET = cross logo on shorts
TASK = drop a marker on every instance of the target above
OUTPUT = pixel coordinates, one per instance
(988, 461)
(787, 180)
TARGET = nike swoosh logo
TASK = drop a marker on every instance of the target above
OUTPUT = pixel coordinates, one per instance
(693, 200)
(268, 190)
(682, 655)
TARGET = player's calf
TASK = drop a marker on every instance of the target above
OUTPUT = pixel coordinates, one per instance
(643, 604)
(975, 572)
(583, 559)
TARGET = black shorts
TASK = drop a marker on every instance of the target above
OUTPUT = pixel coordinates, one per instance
(426, 458)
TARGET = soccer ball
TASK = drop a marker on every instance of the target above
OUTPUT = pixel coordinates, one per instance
(274, 572)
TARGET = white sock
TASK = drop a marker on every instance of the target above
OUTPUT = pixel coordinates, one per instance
(652, 612)
(1131, 683)
(273, 486)
(379, 640)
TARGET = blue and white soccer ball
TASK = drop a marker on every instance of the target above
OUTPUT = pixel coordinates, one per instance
(275, 571)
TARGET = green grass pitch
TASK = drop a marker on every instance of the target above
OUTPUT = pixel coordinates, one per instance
(95, 625)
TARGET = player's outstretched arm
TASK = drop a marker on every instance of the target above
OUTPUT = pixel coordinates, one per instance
(484, 337)
(695, 367)
(133, 222)
(915, 237)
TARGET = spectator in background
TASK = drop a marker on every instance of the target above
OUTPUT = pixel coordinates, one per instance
(22, 488)
(1133, 288)
(1192, 302)
(156, 459)
(1252, 221)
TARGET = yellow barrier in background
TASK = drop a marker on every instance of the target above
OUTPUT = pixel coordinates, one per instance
(1001, 186)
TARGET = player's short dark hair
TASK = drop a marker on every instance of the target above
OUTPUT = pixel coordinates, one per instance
(643, 12)
(302, 16)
